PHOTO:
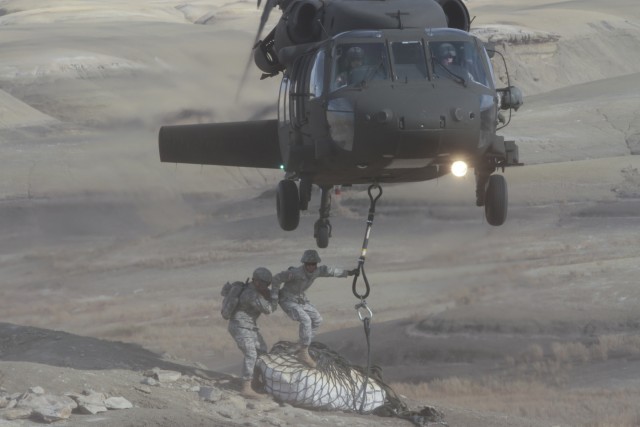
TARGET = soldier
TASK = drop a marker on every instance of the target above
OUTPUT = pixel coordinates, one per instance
(253, 300)
(447, 60)
(354, 58)
(294, 302)
(446, 54)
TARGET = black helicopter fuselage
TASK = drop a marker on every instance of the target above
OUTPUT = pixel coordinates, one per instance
(402, 118)
(373, 91)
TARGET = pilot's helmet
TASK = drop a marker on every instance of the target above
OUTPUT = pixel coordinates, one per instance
(262, 274)
(355, 53)
(446, 50)
(310, 256)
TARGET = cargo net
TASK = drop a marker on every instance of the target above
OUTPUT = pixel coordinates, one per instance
(334, 384)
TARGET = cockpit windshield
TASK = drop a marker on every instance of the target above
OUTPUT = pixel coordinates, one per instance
(408, 61)
(356, 63)
(457, 60)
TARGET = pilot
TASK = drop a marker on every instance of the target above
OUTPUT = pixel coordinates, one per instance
(294, 302)
(446, 54)
(255, 299)
(354, 59)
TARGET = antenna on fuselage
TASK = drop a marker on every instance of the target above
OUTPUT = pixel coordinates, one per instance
(398, 16)
(324, 30)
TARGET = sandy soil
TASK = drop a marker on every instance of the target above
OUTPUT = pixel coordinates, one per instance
(111, 262)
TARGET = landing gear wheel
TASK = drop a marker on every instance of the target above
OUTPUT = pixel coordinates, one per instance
(323, 237)
(322, 227)
(496, 200)
(288, 205)
(322, 233)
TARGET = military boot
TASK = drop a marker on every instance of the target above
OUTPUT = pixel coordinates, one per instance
(305, 357)
(247, 391)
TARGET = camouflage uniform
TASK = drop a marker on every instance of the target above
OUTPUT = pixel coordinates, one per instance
(244, 329)
(294, 302)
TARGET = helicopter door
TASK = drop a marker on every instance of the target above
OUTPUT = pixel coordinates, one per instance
(283, 104)
(283, 119)
(295, 93)
(300, 91)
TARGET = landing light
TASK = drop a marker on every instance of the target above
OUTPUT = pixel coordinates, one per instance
(459, 168)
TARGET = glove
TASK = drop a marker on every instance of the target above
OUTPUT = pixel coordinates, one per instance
(352, 272)
(275, 293)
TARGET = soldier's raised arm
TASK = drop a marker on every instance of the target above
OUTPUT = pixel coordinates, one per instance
(283, 276)
(325, 271)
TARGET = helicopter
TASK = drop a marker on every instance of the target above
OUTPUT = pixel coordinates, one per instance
(372, 91)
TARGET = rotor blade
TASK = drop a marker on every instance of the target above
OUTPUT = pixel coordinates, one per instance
(269, 5)
(246, 144)
(243, 79)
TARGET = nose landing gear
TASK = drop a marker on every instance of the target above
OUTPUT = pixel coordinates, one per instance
(290, 201)
(491, 192)
(322, 227)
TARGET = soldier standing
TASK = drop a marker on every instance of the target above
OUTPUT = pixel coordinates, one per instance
(294, 302)
(254, 300)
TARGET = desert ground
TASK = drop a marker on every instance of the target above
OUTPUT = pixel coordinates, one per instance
(111, 263)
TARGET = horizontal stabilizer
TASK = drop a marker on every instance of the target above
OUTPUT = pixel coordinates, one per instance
(251, 144)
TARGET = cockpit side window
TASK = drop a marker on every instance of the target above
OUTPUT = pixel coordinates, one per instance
(355, 63)
(408, 61)
(491, 78)
(458, 59)
(316, 79)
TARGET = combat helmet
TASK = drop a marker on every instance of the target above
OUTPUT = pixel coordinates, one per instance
(355, 53)
(446, 50)
(262, 274)
(310, 256)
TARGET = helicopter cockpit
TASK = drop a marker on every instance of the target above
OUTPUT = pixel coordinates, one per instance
(408, 57)
(371, 73)
(358, 62)
(458, 59)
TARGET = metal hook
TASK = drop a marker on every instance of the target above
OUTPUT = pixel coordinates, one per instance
(365, 243)
(361, 313)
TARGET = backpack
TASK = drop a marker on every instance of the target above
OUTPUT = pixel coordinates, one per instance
(231, 293)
